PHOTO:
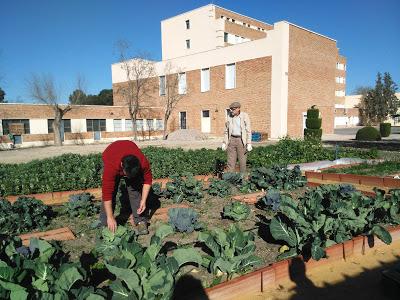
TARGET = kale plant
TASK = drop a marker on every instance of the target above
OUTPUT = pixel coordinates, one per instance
(231, 251)
(219, 188)
(81, 205)
(183, 219)
(184, 188)
(236, 211)
(271, 200)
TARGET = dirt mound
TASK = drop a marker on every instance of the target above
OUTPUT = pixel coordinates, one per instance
(186, 135)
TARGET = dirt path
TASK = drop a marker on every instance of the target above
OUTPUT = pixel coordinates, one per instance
(357, 278)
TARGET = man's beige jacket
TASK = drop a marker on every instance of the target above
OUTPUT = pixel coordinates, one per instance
(245, 129)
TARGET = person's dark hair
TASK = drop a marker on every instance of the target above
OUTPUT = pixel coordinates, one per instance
(131, 165)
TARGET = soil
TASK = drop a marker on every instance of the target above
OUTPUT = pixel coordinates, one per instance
(358, 277)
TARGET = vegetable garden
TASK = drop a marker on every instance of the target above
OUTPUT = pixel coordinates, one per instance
(212, 238)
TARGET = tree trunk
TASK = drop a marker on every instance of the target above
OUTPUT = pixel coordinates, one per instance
(56, 127)
(165, 128)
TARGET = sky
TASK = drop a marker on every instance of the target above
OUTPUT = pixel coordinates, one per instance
(70, 38)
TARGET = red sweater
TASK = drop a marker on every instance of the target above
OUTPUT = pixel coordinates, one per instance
(112, 158)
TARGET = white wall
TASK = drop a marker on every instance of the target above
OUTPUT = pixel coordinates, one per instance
(38, 126)
(109, 125)
(78, 125)
(202, 33)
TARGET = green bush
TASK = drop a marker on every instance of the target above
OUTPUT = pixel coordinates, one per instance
(312, 113)
(313, 123)
(385, 129)
(368, 133)
(312, 134)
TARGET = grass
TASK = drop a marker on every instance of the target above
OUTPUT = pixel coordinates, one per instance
(380, 169)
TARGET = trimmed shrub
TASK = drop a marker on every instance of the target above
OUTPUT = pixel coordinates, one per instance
(368, 133)
(312, 113)
(385, 129)
(312, 134)
(313, 123)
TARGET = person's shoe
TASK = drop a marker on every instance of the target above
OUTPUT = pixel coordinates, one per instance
(142, 228)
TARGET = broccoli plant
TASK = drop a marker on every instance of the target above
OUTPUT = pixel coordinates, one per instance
(81, 205)
(236, 211)
(184, 219)
(278, 177)
(219, 188)
(232, 250)
(184, 188)
(31, 214)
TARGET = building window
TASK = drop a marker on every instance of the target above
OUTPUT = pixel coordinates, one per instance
(340, 66)
(159, 124)
(187, 44)
(139, 124)
(225, 37)
(162, 85)
(65, 123)
(150, 124)
(12, 123)
(205, 79)
(95, 125)
(340, 93)
(117, 124)
(181, 83)
(340, 80)
(230, 76)
(187, 24)
(128, 125)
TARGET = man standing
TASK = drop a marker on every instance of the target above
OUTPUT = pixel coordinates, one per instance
(237, 137)
(124, 160)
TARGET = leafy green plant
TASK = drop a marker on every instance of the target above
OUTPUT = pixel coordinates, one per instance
(270, 201)
(231, 251)
(146, 273)
(278, 177)
(236, 211)
(327, 215)
(219, 188)
(239, 180)
(378, 169)
(183, 219)
(157, 189)
(24, 215)
(184, 188)
(81, 205)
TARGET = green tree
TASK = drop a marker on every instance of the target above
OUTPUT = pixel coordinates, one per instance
(2, 95)
(363, 91)
(381, 101)
(78, 97)
(105, 97)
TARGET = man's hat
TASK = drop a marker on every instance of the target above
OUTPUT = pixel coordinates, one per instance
(234, 105)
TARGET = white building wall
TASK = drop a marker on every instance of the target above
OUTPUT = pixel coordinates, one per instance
(38, 126)
(78, 125)
(202, 33)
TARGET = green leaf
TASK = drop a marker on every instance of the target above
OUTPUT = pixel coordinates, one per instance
(127, 275)
(68, 278)
(317, 252)
(19, 295)
(382, 234)
(41, 285)
(163, 231)
(281, 232)
(184, 256)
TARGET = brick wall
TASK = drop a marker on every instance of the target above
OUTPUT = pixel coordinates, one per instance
(240, 30)
(253, 90)
(230, 14)
(311, 77)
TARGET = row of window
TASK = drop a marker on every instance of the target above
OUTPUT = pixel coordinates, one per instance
(340, 80)
(91, 125)
(230, 80)
(242, 23)
(340, 66)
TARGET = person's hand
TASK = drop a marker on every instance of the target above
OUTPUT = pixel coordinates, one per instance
(249, 147)
(223, 147)
(142, 207)
(111, 224)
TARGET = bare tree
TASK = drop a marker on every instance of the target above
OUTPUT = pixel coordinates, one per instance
(172, 96)
(140, 72)
(42, 88)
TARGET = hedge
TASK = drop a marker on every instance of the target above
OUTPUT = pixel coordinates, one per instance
(368, 133)
(76, 172)
(385, 129)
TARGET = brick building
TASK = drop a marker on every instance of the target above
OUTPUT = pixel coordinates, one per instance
(276, 71)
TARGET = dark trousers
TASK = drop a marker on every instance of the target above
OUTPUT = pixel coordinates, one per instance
(131, 195)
